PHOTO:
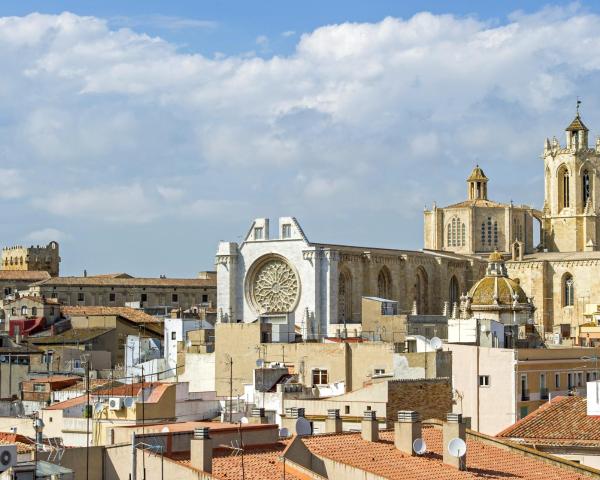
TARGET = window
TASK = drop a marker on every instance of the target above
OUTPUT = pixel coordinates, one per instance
(13, 311)
(39, 387)
(174, 298)
(347, 409)
(379, 371)
(542, 380)
(585, 186)
(368, 408)
(456, 233)
(484, 380)
(204, 298)
(258, 233)
(80, 297)
(111, 297)
(523, 412)
(570, 380)
(144, 297)
(568, 291)
(286, 231)
(579, 379)
(173, 335)
(23, 310)
(34, 311)
(320, 377)
(564, 186)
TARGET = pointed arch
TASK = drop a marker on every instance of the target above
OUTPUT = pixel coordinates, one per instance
(345, 296)
(422, 291)
(586, 186)
(384, 283)
(564, 188)
(454, 291)
(568, 290)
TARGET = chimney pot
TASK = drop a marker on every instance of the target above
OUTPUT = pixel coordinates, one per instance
(406, 430)
(333, 422)
(201, 450)
(370, 426)
(454, 427)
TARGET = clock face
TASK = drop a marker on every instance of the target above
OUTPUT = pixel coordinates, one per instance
(274, 286)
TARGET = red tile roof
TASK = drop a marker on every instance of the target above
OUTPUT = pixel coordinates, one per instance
(131, 314)
(24, 444)
(563, 421)
(72, 402)
(261, 462)
(25, 275)
(484, 460)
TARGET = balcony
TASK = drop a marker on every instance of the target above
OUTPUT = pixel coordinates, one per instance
(525, 395)
(543, 393)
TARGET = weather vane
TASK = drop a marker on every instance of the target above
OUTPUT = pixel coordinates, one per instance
(578, 103)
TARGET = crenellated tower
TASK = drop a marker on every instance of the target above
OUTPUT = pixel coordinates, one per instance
(571, 196)
(32, 258)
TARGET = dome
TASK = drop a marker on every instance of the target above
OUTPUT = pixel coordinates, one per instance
(477, 174)
(484, 291)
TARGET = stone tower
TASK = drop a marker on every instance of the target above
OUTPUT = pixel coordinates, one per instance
(477, 184)
(31, 258)
(570, 219)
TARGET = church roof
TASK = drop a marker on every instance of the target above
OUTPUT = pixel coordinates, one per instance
(576, 125)
(484, 291)
(477, 174)
(477, 202)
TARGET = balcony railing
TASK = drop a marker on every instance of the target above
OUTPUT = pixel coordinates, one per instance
(524, 395)
(543, 393)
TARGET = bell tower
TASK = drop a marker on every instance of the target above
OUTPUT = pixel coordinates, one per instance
(477, 184)
(571, 196)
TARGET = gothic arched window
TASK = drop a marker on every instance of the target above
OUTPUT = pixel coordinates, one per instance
(384, 284)
(568, 291)
(564, 189)
(585, 180)
(345, 297)
(456, 233)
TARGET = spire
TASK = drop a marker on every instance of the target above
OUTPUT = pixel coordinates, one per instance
(577, 132)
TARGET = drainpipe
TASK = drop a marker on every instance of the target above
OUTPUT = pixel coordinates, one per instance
(133, 457)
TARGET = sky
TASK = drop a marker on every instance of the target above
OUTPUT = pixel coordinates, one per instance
(140, 134)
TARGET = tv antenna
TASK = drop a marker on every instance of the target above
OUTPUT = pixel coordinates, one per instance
(435, 343)
(419, 446)
(457, 447)
(303, 427)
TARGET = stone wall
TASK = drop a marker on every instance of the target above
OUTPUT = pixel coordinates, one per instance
(431, 398)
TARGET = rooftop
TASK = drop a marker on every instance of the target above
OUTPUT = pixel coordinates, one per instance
(72, 336)
(25, 275)
(484, 459)
(130, 314)
(127, 282)
(563, 421)
(35, 298)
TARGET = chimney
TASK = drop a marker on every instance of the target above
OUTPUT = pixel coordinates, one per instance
(258, 416)
(370, 426)
(406, 430)
(333, 423)
(454, 427)
(201, 450)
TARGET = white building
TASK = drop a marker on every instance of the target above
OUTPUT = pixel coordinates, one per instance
(303, 287)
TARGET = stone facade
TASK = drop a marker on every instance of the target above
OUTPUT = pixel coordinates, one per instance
(32, 258)
(479, 225)
(291, 282)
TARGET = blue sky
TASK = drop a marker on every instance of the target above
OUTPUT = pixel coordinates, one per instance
(139, 134)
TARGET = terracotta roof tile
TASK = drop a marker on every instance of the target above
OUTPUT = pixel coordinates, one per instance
(68, 403)
(563, 421)
(131, 314)
(26, 275)
(382, 458)
(72, 336)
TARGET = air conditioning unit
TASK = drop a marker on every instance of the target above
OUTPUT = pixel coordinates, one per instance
(115, 403)
(8, 457)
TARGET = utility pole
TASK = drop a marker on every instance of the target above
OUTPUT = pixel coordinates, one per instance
(88, 412)
(230, 362)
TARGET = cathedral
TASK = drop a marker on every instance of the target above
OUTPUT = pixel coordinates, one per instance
(299, 285)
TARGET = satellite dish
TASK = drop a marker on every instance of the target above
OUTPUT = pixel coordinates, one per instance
(457, 447)
(128, 402)
(260, 363)
(303, 427)
(244, 420)
(98, 407)
(165, 430)
(284, 432)
(435, 343)
(483, 329)
(419, 446)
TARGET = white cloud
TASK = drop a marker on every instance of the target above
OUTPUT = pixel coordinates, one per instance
(46, 235)
(166, 22)
(124, 126)
(12, 183)
(288, 33)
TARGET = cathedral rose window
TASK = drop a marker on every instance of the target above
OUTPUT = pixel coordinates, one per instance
(274, 286)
